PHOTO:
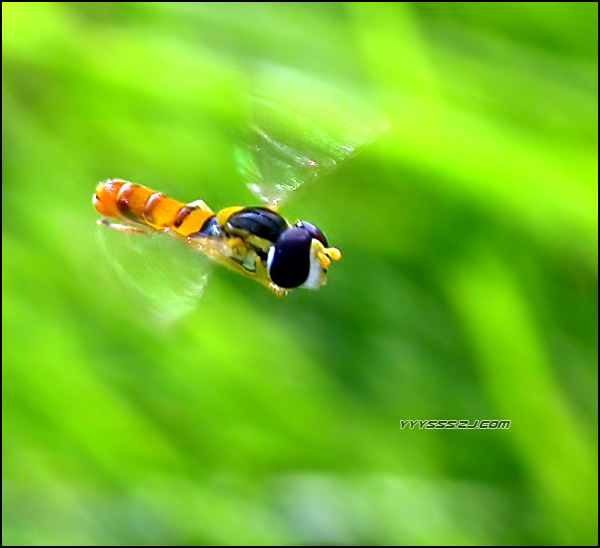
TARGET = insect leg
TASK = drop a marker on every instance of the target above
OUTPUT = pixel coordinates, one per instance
(200, 204)
(279, 291)
(128, 229)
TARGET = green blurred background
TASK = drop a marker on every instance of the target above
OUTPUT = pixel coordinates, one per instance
(467, 290)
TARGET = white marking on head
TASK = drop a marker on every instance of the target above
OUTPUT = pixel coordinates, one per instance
(270, 258)
(317, 275)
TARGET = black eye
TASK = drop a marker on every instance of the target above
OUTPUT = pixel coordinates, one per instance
(289, 260)
(314, 232)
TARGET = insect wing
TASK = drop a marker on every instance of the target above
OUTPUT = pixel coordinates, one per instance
(164, 275)
(300, 130)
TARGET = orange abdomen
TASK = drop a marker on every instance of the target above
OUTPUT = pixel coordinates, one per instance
(133, 203)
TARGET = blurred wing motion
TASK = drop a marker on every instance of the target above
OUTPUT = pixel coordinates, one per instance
(300, 130)
(167, 278)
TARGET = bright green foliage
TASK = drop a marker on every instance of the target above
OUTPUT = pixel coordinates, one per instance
(467, 287)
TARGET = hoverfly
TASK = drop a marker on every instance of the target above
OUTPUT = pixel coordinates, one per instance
(254, 241)
(288, 146)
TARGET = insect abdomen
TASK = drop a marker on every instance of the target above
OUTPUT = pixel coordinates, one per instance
(135, 203)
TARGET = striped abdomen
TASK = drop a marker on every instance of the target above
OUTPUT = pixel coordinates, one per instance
(134, 203)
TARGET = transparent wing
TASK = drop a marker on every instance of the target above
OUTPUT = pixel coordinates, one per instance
(300, 130)
(166, 277)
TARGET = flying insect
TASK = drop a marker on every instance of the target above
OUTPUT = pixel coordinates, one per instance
(254, 241)
(301, 131)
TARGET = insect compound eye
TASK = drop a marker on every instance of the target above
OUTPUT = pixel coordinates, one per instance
(289, 258)
(314, 232)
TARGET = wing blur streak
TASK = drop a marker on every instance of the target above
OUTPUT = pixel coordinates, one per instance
(300, 130)
(165, 277)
